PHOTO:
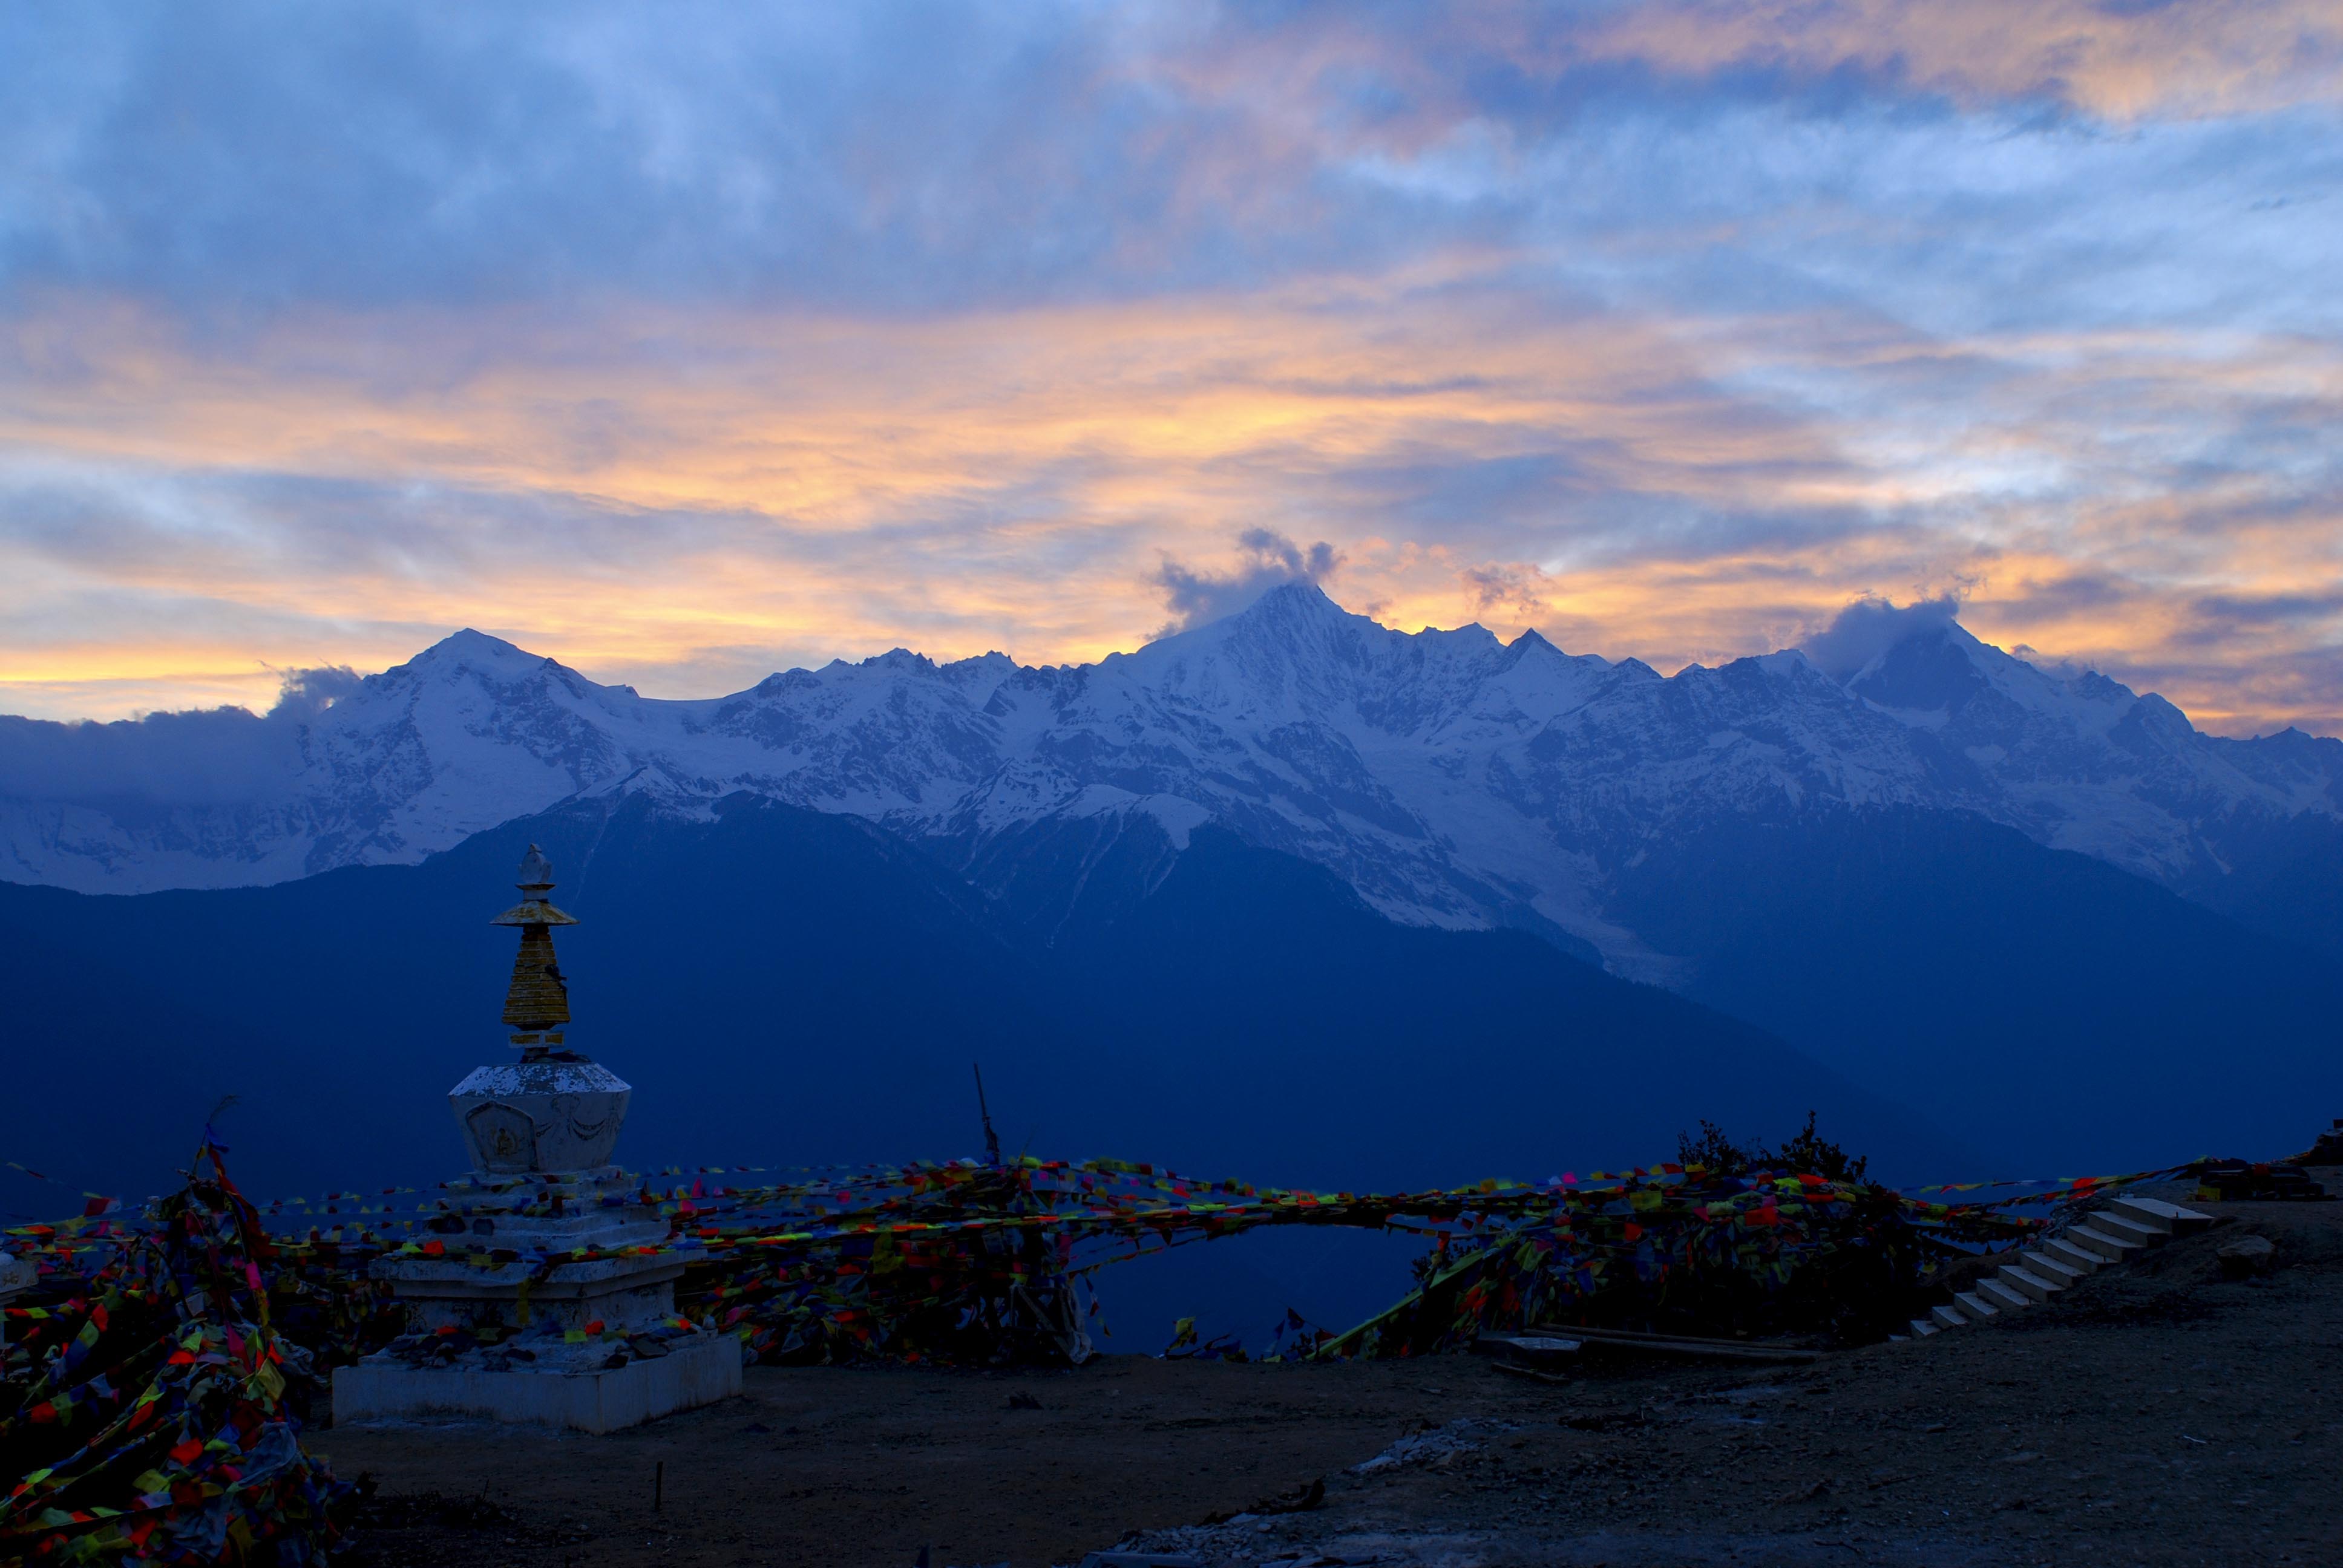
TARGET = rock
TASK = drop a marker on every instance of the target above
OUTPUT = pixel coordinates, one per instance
(2247, 1256)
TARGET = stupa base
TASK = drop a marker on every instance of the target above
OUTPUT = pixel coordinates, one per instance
(581, 1396)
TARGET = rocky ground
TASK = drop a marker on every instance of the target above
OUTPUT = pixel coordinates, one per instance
(2158, 1414)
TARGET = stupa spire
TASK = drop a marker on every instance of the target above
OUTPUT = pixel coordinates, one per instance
(536, 1004)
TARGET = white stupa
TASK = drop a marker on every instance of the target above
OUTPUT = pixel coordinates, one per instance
(548, 1268)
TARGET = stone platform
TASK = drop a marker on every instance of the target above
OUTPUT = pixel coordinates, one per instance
(625, 1292)
(582, 1396)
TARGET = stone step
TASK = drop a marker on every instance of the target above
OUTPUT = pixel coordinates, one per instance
(2082, 1260)
(1922, 1328)
(2132, 1231)
(2112, 1248)
(2140, 1211)
(2028, 1283)
(2001, 1296)
(1947, 1317)
(2158, 1215)
(1975, 1308)
(2057, 1271)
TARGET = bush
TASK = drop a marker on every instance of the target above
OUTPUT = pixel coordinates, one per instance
(1808, 1152)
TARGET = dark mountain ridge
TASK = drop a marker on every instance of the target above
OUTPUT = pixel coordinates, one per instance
(792, 987)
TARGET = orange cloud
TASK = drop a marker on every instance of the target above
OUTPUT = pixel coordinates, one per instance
(2207, 57)
(685, 499)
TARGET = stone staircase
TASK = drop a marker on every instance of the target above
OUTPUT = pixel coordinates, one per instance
(2127, 1227)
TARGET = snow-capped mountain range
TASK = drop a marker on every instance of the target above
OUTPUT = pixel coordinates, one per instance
(1454, 779)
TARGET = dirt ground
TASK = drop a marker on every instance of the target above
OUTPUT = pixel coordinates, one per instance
(2154, 1414)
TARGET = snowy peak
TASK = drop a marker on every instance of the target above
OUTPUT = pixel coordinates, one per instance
(1932, 671)
(471, 648)
(1937, 674)
(1452, 779)
(2078, 761)
(1295, 653)
(1294, 612)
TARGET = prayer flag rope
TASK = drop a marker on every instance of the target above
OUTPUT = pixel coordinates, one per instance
(156, 1376)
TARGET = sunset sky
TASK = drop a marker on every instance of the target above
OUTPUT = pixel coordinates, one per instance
(688, 343)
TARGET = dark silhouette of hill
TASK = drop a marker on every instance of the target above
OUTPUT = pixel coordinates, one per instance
(2063, 1012)
(784, 986)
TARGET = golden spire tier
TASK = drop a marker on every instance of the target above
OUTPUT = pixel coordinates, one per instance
(538, 1000)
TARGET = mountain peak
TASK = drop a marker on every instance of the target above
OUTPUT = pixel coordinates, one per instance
(1452, 777)
(470, 639)
(1299, 599)
(1293, 614)
(901, 659)
(472, 647)
(1867, 630)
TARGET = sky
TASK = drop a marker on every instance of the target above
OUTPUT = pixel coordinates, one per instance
(685, 342)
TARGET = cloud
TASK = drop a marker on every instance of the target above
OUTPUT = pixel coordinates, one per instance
(681, 348)
(1509, 590)
(2238, 626)
(240, 161)
(306, 693)
(220, 756)
(1268, 560)
(817, 486)
(2124, 60)
(1870, 626)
